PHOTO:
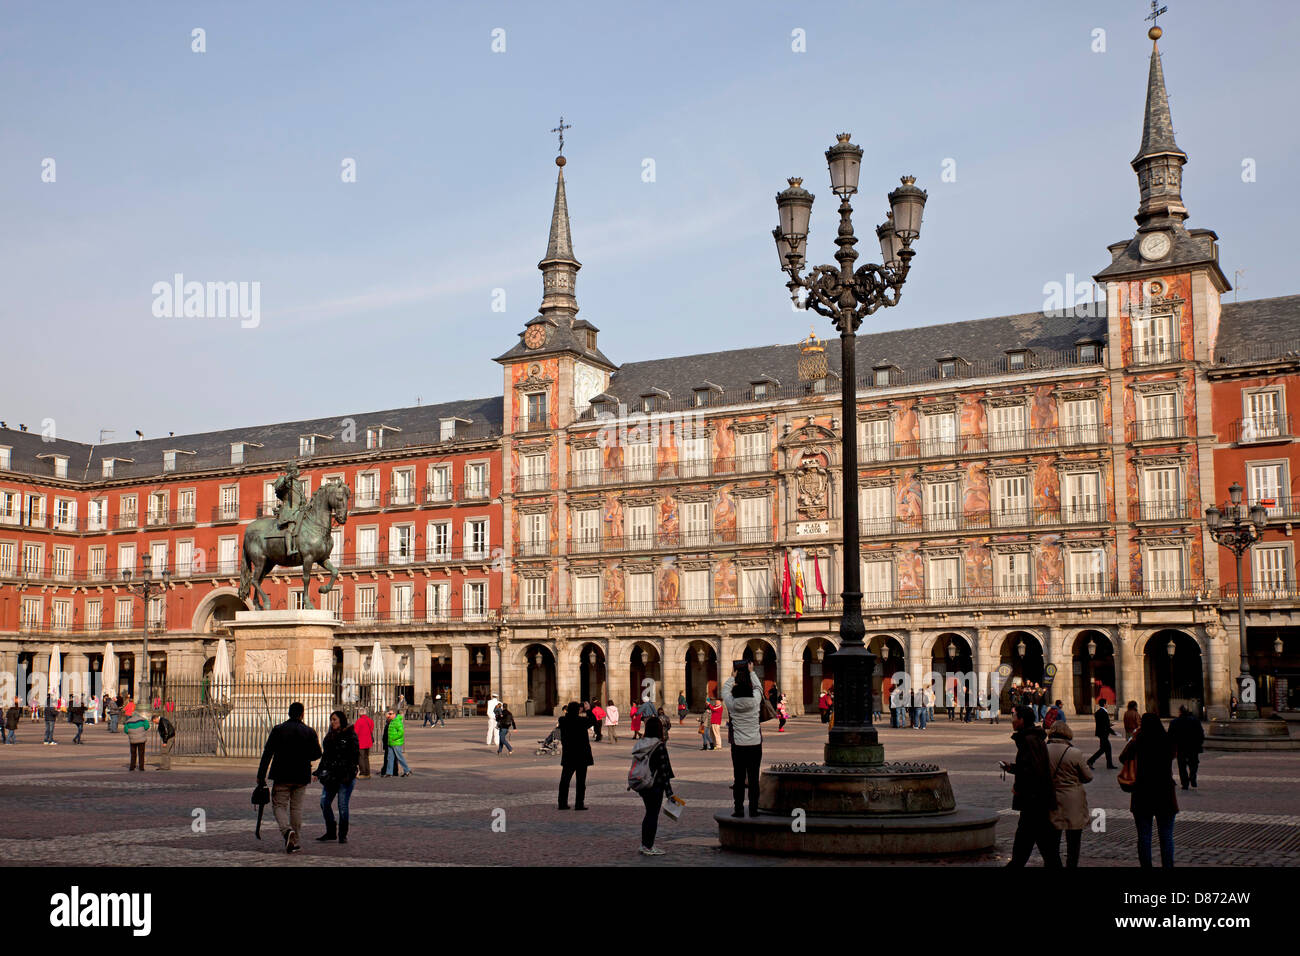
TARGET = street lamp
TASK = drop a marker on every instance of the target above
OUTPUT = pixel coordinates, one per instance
(145, 588)
(1236, 531)
(846, 296)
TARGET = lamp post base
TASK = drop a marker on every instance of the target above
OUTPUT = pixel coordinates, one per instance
(1256, 733)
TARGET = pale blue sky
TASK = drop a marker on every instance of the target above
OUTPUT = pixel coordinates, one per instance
(225, 166)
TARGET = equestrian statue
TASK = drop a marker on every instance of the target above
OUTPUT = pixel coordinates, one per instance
(297, 535)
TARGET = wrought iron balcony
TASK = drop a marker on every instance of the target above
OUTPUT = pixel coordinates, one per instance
(1158, 429)
(985, 520)
(1168, 509)
(1261, 429)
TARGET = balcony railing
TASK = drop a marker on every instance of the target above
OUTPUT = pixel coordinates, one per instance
(689, 469)
(1288, 507)
(1155, 429)
(533, 423)
(1263, 592)
(1259, 429)
(225, 513)
(402, 497)
(127, 520)
(1155, 353)
(985, 520)
(527, 483)
(649, 541)
(416, 615)
(1164, 510)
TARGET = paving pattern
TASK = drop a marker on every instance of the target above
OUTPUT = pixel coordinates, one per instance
(464, 805)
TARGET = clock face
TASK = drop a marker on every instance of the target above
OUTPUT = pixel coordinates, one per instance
(535, 337)
(1155, 246)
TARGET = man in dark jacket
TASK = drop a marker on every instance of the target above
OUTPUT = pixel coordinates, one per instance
(77, 714)
(12, 717)
(1034, 794)
(1188, 738)
(291, 749)
(575, 756)
(1104, 731)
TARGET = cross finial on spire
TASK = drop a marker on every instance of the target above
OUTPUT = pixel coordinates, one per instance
(1156, 11)
(563, 126)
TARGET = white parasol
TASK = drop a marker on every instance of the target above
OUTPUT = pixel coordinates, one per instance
(376, 677)
(56, 665)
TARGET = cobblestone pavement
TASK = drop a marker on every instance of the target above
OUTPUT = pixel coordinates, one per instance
(78, 805)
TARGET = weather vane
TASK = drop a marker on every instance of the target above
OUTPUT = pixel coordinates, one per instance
(563, 126)
(1155, 12)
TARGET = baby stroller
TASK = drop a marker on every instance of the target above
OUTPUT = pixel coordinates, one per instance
(550, 747)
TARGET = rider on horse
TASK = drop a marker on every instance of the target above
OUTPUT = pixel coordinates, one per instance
(290, 496)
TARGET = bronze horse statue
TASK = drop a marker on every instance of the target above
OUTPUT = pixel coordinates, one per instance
(264, 545)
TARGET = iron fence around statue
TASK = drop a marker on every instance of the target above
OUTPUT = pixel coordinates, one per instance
(233, 717)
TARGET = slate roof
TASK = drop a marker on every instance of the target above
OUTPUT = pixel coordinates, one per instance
(1190, 247)
(1258, 329)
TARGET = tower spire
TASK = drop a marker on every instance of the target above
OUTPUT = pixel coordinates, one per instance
(559, 267)
(1159, 161)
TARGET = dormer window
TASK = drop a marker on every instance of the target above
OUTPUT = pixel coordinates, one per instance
(60, 466)
(107, 467)
(169, 459)
(591, 340)
(447, 429)
(760, 390)
(236, 454)
(886, 374)
(701, 397)
(648, 403)
(374, 438)
(948, 368)
(1017, 360)
(307, 445)
(6, 458)
(1089, 352)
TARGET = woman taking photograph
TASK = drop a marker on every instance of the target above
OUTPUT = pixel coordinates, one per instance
(743, 696)
(337, 772)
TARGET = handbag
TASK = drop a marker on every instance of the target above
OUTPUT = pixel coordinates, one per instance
(766, 711)
(703, 729)
(673, 808)
(1128, 775)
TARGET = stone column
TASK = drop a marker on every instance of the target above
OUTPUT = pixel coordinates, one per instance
(39, 679)
(568, 675)
(351, 662)
(1129, 674)
(673, 669)
(1063, 686)
(421, 666)
(618, 672)
(494, 667)
(459, 675)
(789, 672)
(984, 663)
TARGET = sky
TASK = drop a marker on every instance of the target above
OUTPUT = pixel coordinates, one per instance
(228, 165)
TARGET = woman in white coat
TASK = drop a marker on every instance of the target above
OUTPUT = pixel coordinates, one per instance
(493, 734)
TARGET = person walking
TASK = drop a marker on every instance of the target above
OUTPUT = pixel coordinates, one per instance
(365, 731)
(824, 706)
(51, 715)
(13, 716)
(383, 736)
(167, 735)
(1131, 720)
(1069, 773)
(706, 734)
(427, 707)
(493, 733)
(1033, 793)
(1188, 738)
(1104, 733)
(395, 734)
(715, 722)
(599, 713)
(635, 722)
(921, 716)
(136, 729)
(291, 748)
(655, 746)
(743, 696)
(337, 773)
(782, 715)
(77, 714)
(1152, 794)
(112, 707)
(575, 753)
(505, 724)
(439, 711)
(682, 708)
(611, 721)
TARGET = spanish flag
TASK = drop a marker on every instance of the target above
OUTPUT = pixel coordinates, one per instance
(798, 589)
(785, 586)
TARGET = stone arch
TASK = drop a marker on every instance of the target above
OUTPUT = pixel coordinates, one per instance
(1171, 681)
(645, 661)
(1026, 667)
(815, 672)
(700, 676)
(540, 669)
(1094, 651)
(593, 674)
(215, 606)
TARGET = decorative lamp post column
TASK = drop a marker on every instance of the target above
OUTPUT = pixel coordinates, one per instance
(1234, 530)
(145, 588)
(846, 296)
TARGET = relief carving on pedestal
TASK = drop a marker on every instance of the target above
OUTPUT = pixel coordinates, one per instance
(261, 662)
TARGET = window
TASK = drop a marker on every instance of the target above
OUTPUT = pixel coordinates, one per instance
(695, 524)
(106, 468)
(97, 518)
(229, 506)
(157, 513)
(760, 390)
(1008, 427)
(476, 538)
(591, 340)
(941, 508)
(536, 534)
(228, 555)
(157, 558)
(296, 601)
(1089, 353)
(438, 541)
(185, 505)
(756, 589)
(1270, 569)
(61, 614)
(535, 595)
(754, 515)
(1080, 417)
(403, 602)
(439, 483)
(33, 559)
(237, 453)
(10, 507)
(1153, 341)
(1266, 482)
(94, 614)
(939, 433)
(374, 438)
(1263, 417)
(156, 613)
(1011, 501)
(65, 514)
(640, 461)
(875, 438)
(403, 488)
(586, 594)
(701, 397)
(184, 558)
(367, 545)
(36, 511)
(475, 607)
(1015, 361)
(446, 429)
(61, 563)
(694, 457)
(586, 466)
(586, 530)
(269, 500)
(124, 614)
(169, 460)
(695, 591)
(401, 544)
(437, 601)
(1164, 570)
(640, 592)
(944, 579)
(476, 479)
(1159, 416)
(337, 556)
(947, 369)
(1012, 574)
(126, 512)
(1081, 500)
(537, 410)
(126, 558)
(6, 458)
(533, 473)
(1160, 499)
(60, 466)
(307, 445)
(96, 562)
(367, 602)
(367, 489)
(753, 451)
(877, 582)
(640, 526)
(8, 559)
(32, 607)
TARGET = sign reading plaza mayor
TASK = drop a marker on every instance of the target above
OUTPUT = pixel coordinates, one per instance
(812, 527)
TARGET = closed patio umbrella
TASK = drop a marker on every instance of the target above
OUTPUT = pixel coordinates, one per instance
(376, 677)
(56, 665)
(222, 679)
(108, 673)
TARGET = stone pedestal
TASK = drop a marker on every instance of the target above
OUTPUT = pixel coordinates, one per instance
(294, 643)
(1260, 733)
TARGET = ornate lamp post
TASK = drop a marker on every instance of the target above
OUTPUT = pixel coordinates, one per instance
(846, 296)
(1235, 531)
(146, 588)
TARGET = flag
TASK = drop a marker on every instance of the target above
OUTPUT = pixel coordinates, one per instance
(798, 589)
(817, 570)
(785, 586)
